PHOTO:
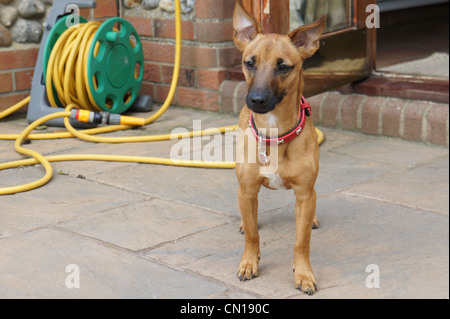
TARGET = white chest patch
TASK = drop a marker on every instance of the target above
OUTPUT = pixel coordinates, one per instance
(273, 120)
(275, 181)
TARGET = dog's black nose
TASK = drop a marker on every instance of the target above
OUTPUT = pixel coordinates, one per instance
(262, 101)
(258, 99)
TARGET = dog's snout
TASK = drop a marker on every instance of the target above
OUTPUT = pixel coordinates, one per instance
(261, 101)
(258, 99)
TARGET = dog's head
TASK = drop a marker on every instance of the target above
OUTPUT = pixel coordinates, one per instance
(272, 62)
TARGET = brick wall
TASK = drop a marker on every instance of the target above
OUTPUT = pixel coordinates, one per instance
(16, 72)
(207, 52)
(413, 120)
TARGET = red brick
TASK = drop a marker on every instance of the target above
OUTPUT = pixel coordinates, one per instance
(152, 72)
(206, 100)
(241, 95)
(437, 124)
(6, 82)
(413, 119)
(143, 26)
(330, 109)
(86, 13)
(9, 100)
(229, 57)
(391, 117)
(315, 102)
(349, 111)
(14, 59)
(211, 79)
(206, 31)
(165, 28)
(162, 92)
(186, 78)
(227, 90)
(148, 89)
(371, 114)
(158, 52)
(214, 9)
(105, 9)
(199, 57)
(23, 79)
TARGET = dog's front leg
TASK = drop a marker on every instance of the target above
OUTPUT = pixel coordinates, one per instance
(304, 213)
(248, 205)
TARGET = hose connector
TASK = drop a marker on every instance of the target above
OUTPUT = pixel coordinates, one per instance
(105, 118)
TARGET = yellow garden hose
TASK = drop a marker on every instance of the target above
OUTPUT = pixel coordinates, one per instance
(67, 88)
(66, 94)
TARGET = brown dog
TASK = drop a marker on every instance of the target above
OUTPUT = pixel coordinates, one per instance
(272, 65)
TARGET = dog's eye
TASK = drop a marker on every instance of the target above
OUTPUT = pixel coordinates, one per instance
(250, 65)
(284, 68)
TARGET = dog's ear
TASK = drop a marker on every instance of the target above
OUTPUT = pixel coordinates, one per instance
(246, 28)
(307, 37)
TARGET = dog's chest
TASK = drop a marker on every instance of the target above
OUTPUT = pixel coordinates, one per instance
(274, 181)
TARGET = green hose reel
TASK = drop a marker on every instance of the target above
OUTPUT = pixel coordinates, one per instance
(117, 69)
(115, 65)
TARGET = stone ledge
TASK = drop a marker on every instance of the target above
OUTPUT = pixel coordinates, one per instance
(376, 115)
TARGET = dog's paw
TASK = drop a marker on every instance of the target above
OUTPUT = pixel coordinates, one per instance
(248, 269)
(305, 283)
(241, 229)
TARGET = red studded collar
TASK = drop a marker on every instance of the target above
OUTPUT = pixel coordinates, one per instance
(305, 110)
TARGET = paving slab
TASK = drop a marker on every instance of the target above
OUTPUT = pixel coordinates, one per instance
(354, 234)
(419, 193)
(63, 199)
(152, 231)
(391, 151)
(340, 171)
(34, 266)
(190, 186)
(143, 225)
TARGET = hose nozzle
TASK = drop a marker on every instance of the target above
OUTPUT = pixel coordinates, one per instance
(106, 118)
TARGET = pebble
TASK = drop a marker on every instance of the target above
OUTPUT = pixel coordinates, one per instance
(26, 31)
(167, 5)
(31, 9)
(5, 37)
(150, 4)
(187, 6)
(8, 15)
(131, 3)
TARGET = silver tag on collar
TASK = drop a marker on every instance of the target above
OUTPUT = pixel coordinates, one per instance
(262, 152)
